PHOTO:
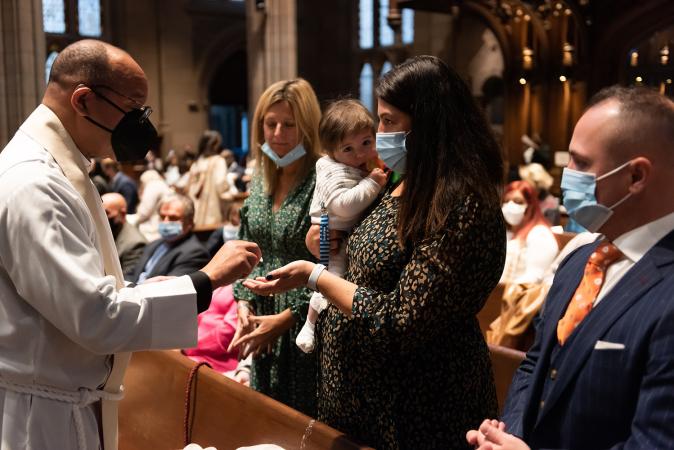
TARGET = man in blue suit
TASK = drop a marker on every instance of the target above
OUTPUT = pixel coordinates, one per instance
(121, 183)
(604, 378)
(178, 251)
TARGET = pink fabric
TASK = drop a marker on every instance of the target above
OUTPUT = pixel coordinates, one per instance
(216, 329)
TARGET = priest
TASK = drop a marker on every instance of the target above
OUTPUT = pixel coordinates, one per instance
(68, 322)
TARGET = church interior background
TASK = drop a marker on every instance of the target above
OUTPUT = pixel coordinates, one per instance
(531, 64)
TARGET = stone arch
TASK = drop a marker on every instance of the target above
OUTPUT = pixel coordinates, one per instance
(223, 46)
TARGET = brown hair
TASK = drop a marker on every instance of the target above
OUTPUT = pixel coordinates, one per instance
(342, 118)
(451, 152)
(209, 143)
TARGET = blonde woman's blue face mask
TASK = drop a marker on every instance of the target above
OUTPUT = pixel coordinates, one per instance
(287, 159)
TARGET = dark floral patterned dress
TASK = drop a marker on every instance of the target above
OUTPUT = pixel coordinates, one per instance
(410, 369)
(287, 374)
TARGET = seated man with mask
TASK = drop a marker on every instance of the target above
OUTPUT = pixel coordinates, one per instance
(600, 374)
(128, 240)
(178, 251)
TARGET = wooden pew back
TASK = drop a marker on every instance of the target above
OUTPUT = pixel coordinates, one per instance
(225, 414)
(505, 362)
(563, 239)
(491, 309)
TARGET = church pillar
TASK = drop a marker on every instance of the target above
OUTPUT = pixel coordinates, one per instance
(22, 63)
(271, 33)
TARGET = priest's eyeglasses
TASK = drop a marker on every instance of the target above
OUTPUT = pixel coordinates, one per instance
(146, 110)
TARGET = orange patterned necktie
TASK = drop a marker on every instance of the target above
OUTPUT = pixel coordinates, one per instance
(588, 289)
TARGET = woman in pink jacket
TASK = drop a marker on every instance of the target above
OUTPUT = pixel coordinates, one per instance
(216, 330)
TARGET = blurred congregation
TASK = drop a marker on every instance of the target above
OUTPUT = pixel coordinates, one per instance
(391, 224)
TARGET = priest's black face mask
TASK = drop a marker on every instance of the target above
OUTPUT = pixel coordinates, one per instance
(134, 135)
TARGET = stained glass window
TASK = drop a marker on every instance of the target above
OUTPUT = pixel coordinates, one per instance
(366, 24)
(386, 67)
(408, 26)
(47, 65)
(366, 85)
(385, 32)
(244, 132)
(54, 16)
(89, 14)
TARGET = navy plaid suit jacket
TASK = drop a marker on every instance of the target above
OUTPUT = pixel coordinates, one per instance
(579, 397)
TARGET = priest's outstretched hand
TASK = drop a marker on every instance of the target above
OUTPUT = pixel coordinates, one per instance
(234, 260)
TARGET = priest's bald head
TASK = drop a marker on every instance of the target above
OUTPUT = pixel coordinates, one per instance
(98, 92)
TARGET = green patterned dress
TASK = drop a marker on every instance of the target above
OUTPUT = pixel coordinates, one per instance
(286, 374)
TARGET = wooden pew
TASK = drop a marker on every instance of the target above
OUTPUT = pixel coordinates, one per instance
(491, 309)
(225, 414)
(563, 238)
(203, 233)
(505, 362)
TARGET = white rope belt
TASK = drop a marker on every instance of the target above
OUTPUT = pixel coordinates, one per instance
(79, 399)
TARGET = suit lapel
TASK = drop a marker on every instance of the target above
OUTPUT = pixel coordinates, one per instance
(160, 268)
(630, 289)
(555, 310)
(147, 254)
(163, 264)
(565, 284)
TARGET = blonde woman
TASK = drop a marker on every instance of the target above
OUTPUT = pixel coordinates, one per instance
(276, 216)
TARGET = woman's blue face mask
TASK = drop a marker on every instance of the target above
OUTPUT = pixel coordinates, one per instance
(392, 151)
(580, 201)
(289, 158)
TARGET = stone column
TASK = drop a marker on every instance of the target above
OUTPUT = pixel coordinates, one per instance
(271, 33)
(22, 63)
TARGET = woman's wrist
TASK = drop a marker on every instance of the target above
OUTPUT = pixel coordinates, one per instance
(287, 319)
(314, 275)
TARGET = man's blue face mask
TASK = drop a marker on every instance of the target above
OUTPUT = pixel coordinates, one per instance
(580, 201)
(170, 230)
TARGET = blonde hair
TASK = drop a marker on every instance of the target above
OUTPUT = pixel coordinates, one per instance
(342, 118)
(307, 113)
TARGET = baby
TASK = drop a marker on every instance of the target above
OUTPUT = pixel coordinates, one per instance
(346, 184)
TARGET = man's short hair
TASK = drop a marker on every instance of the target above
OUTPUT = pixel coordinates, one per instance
(188, 205)
(645, 114)
(83, 62)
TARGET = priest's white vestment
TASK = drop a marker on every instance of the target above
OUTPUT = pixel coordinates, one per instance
(62, 313)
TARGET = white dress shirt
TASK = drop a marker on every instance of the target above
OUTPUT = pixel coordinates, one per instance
(634, 244)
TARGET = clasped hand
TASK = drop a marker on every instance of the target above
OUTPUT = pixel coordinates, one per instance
(257, 335)
(492, 436)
